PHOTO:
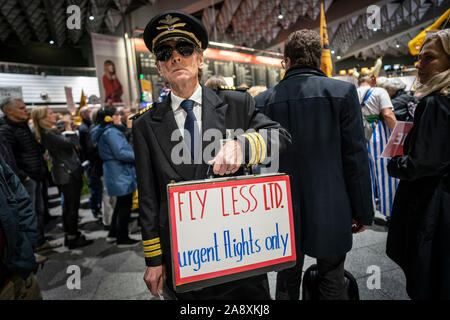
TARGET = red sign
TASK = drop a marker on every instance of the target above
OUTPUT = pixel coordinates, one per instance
(230, 228)
(394, 146)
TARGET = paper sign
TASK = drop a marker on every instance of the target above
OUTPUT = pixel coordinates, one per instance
(394, 146)
(230, 228)
(69, 98)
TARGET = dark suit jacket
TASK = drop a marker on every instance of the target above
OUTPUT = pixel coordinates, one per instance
(327, 162)
(153, 146)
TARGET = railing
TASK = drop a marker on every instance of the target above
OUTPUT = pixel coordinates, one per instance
(25, 68)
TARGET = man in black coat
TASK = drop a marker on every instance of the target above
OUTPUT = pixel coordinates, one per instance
(178, 40)
(28, 156)
(91, 162)
(327, 164)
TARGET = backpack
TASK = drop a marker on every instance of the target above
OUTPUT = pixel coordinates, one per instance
(311, 282)
(368, 125)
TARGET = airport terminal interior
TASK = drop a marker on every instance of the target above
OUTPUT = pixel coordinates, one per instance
(78, 59)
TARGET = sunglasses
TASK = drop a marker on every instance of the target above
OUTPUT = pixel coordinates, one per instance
(164, 52)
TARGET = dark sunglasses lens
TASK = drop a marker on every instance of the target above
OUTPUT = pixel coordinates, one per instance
(163, 53)
(185, 48)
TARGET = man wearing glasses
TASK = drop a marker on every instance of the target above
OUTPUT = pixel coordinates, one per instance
(177, 40)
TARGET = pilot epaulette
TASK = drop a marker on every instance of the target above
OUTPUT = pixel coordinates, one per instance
(141, 112)
(243, 89)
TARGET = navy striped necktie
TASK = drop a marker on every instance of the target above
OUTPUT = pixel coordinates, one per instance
(191, 126)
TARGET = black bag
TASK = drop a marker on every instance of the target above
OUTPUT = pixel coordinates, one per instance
(311, 283)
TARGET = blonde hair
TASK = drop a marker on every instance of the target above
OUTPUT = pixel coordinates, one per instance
(38, 115)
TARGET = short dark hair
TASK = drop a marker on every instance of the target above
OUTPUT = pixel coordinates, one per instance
(304, 48)
(102, 113)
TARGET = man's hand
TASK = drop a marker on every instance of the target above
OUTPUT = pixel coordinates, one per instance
(229, 158)
(154, 278)
(356, 227)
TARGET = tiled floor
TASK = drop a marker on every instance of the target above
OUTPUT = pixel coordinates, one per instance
(111, 273)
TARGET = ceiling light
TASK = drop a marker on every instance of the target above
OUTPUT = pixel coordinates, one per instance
(338, 57)
(375, 29)
(332, 51)
(52, 42)
(91, 18)
(398, 46)
(280, 16)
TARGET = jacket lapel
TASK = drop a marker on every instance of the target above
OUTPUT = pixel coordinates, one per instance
(164, 125)
(213, 117)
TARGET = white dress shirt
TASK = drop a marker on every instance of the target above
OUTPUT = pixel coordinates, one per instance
(179, 113)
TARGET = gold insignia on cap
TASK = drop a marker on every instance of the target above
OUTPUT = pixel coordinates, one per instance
(169, 20)
(172, 26)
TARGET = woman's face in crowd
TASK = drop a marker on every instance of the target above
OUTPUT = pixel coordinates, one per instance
(50, 117)
(432, 60)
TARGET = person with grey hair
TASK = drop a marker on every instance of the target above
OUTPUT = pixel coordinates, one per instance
(404, 104)
(419, 235)
(29, 159)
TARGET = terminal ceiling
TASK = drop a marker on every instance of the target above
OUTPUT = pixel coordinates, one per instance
(248, 23)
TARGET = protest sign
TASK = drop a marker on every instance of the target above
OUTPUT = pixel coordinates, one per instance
(226, 229)
(394, 146)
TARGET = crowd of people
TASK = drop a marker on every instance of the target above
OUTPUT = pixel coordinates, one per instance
(331, 135)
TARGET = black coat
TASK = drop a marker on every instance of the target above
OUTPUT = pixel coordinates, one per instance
(419, 234)
(327, 162)
(402, 103)
(153, 146)
(89, 150)
(66, 163)
(26, 149)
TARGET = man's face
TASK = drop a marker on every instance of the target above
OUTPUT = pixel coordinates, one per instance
(179, 69)
(432, 60)
(18, 113)
(86, 115)
(125, 114)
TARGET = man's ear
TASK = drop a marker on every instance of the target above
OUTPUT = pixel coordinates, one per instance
(288, 63)
(200, 60)
(158, 67)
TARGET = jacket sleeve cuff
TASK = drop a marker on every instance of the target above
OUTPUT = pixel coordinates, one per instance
(254, 147)
(152, 252)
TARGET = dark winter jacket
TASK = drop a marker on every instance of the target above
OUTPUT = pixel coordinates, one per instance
(419, 233)
(404, 105)
(18, 222)
(327, 162)
(89, 150)
(26, 149)
(118, 159)
(65, 160)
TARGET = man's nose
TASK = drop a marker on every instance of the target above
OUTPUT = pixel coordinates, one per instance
(176, 57)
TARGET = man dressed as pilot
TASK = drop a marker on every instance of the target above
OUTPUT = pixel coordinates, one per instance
(177, 40)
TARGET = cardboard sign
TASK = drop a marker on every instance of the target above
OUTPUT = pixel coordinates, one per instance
(394, 146)
(226, 229)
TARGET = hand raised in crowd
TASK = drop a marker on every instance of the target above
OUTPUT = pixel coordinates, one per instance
(229, 158)
(67, 118)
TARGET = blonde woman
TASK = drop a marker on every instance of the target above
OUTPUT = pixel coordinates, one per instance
(66, 168)
(419, 235)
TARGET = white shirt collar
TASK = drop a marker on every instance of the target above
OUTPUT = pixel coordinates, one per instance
(196, 97)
